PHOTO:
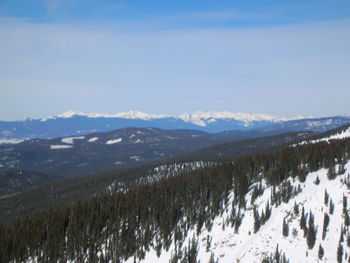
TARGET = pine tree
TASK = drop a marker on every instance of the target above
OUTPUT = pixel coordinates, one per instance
(211, 259)
(345, 204)
(331, 174)
(341, 169)
(285, 228)
(303, 221)
(209, 239)
(341, 239)
(346, 219)
(331, 207)
(256, 220)
(317, 181)
(192, 251)
(320, 252)
(296, 209)
(325, 225)
(340, 253)
(277, 255)
(326, 197)
(267, 212)
(311, 232)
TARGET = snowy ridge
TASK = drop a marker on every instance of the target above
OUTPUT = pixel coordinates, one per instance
(227, 246)
(338, 136)
(123, 115)
(203, 118)
(341, 135)
(199, 117)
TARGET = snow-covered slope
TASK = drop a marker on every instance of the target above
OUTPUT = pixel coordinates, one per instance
(225, 244)
(338, 134)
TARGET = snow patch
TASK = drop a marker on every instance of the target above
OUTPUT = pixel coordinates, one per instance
(114, 141)
(136, 158)
(94, 139)
(11, 141)
(60, 146)
(70, 140)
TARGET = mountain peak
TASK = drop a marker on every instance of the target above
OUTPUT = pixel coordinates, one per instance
(139, 115)
(202, 118)
(71, 113)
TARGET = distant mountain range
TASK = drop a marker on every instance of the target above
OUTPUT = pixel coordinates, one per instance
(74, 123)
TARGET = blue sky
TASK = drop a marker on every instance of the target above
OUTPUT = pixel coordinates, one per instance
(280, 57)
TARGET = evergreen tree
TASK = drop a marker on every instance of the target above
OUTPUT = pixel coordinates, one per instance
(331, 174)
(277, 255)
(317, 181)
(331, 207)
(303, 221)
(326, 197)
(285, 228)
(209, 239)
(341, 239)
(320, 252)
(296, 209)
(311, 232)
(192, 254)
(340, 253)
(256, 220)
(267, 212)
(325, 225)
(345, 204)
(346, 218)
(212, 259)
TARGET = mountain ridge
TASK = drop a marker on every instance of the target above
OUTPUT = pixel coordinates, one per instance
(74, 123)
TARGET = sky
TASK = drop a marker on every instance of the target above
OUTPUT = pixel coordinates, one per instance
(285, 58)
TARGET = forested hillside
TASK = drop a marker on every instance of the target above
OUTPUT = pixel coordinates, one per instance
(174, 217)
(63, 193)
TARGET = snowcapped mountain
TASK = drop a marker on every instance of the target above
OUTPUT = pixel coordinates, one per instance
(247, 119)
(200, 118)
(78, 123)
(123, 115)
